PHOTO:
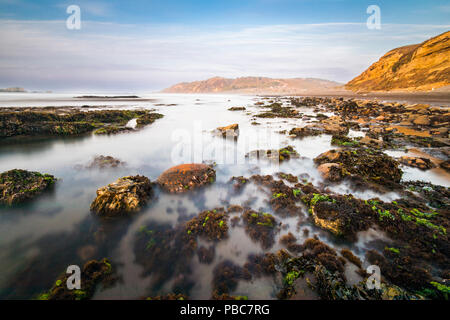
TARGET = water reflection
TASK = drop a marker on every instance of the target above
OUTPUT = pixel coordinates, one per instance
(40, 239)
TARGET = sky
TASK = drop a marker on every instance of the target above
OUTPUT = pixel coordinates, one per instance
(147, 45)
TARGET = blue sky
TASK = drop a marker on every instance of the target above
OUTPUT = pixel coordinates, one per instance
(231, 12)
(148, 45)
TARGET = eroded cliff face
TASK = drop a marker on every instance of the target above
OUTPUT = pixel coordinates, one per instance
(419, 67)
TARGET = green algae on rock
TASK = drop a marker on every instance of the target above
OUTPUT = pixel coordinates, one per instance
(260, 226)
(370, 164)
(18, 185)
(209, 224)
(93, 274)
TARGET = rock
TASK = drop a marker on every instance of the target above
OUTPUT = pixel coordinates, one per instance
(331, 171)
(343, 141)
(229, 131)
(413, 68)
(125, 195)
(278, 111)
(422, 120)
(67, 121)
(330, 156)
(17, 185)
(305, 132)
(147, 119)
(107, 130)
(371, 142)
(335, 125)
(445, 165)
(186, 177)
(344, 216)
(237, 109)
(417, 162)
(335, 129)
(93, 275)
(104, 162)
(367, 163)
(280, 155)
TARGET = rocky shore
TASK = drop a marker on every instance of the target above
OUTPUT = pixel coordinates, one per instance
(414, 261)
(67, 121)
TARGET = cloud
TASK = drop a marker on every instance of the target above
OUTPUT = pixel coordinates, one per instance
(45, 55)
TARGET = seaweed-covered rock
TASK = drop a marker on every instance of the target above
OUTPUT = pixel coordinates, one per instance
(67, 121)
(147, 119)
(165, 253)
(226, 276)
(210, 224)
(186, 177)
(321, 270)
(278, 111)
(18, 185)
(93, 273)
(125, 195)
(331, 171)
(433, 195)
(260, 227)
(367, 163)
(112, 129)
(341, 215)
(417, 162)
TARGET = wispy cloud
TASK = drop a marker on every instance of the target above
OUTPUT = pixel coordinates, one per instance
(106, 55)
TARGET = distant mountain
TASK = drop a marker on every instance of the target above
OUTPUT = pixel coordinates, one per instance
(15, 89)
(259, 85)
(418, 67)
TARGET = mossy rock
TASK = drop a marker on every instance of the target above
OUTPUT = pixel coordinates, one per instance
(17, 186)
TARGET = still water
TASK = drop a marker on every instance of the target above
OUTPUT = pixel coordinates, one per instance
(40, 239)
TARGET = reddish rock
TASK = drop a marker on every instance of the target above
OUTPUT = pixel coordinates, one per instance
(186, 177)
